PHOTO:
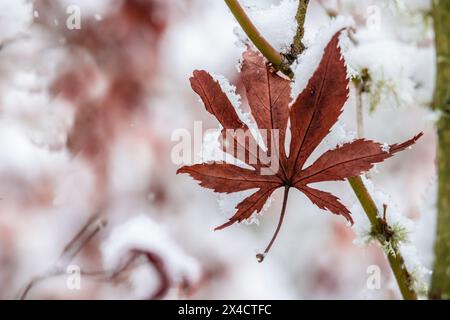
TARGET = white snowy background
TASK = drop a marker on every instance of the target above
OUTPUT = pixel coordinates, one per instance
(86, 119)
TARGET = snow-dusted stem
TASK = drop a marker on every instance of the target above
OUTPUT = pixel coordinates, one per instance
(396, 261)
(440, 286)
(297, 46)
(274, 57)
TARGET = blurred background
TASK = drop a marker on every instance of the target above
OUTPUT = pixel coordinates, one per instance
(88, 188)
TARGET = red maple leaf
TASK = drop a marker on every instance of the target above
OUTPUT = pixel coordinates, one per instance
(311, 117)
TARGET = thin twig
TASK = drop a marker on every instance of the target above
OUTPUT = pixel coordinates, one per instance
(361, 86)
(70, 251)
(7, 42)
(330, 12)
(105, 275)
(359, 112)
(33, 282)
(101, 275)
(297, 46)
(86, 233)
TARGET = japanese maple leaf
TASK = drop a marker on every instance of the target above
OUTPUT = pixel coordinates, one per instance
(311, 117)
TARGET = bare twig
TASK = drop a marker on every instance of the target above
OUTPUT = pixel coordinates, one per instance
(359, 112)
(361, 85)
(70, 251)
(7, 42)
(330, 12)
(33, 282)
(101, 275)
(86, 233)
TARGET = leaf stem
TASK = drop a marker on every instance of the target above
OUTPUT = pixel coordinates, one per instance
(260, 256)
(396, 260)
(272, 55)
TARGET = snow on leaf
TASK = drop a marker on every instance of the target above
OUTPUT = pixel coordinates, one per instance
(312, 115)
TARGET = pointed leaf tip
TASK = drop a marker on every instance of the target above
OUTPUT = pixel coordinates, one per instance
(394, 148)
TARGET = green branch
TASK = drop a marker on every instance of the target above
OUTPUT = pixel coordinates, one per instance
(396, 261)
(272, 55)
(440, 283)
